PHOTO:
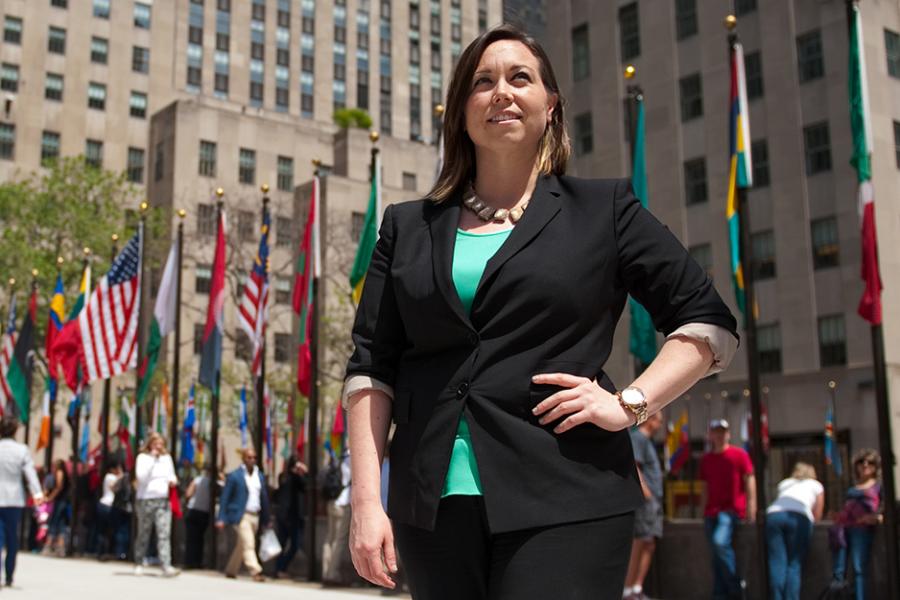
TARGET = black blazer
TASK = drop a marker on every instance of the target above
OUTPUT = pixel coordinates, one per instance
(548, 301)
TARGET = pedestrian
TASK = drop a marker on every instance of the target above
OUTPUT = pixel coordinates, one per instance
(105, 520)
(289, 512)
(244, 508)
(61, 497)
(16, 467)
(789, 527)
(196, 521)
(485, 322)
(122, 509)
(856, 522)
(337, 533)
(155, 475)
(729, 496)
(648, 518)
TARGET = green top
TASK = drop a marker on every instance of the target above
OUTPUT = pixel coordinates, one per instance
(472, 252)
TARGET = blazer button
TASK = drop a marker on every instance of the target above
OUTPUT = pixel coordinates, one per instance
(462, 390)
(473, 338)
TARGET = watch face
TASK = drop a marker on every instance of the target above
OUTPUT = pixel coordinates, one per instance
(632, 396)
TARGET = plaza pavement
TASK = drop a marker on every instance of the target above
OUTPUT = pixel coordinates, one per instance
(44, 578)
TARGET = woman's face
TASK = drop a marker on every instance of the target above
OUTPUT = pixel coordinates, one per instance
(157, 445)
(508, 106)
(865, 469)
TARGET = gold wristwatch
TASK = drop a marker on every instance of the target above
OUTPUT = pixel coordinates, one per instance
(634, 400)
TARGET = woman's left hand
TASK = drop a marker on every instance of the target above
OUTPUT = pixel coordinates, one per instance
(584, 401)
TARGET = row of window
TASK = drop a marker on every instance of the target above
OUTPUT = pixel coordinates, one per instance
(208, 159)
(56, 44)
(243, 346)
(102, 10)
(247, 226)
(832, 344)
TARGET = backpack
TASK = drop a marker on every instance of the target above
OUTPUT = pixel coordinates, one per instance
(331, 481)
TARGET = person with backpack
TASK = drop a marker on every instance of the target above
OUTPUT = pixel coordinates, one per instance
(336, 491)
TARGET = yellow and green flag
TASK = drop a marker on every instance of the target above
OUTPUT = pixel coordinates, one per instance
(369, 234)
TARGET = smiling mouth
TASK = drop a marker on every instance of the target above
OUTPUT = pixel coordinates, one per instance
(502, 118)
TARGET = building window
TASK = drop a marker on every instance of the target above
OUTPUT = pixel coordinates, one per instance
(256, 91)
(194, 76)
(101, 9)
(817, 144)
(60, 3)
(206, 220)
(7, 141)
(12, 30)
(283, 18)
(136, 165)
(93, 153)
(207, 159)
(199, 328)
(222, 41)
(409, 181)
(691, 97)
(695, 181)
(584, 134)
(138, 105)
(246, 225)
(49, 147)
(825, 243)
(221, 83)
(892, 50)
(832, 341)
(284, 230)
(99, 50)
(56, 40)
(140, 59)
(203, 273)
(282, 347)
(282, 290)
(763, 255)
(141, 15)
(53, 87)
(9, 77)
(285, 173)
(685, 18)
(195, 35)
(247, 166)
(581, 53)
(810, 60)
(258, 11)
(159, 162)
(243, 347)
(257, 51)
(357, 222)
(629, 31)
(769, 346)
(897, 143)
(753, 73)
(702, 255)
(96, 96)
(759, 151)
(742, 7)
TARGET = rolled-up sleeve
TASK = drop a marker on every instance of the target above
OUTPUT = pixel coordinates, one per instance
(721, 343)
(361, 383)
(658, 271)
(378, 334)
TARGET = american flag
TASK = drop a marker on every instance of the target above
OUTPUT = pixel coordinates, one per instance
(7, 347)
(253, 311)
(109, 322)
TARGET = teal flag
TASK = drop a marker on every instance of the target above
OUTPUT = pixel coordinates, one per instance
(643, 334)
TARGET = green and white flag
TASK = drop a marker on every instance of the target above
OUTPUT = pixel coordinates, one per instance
(163, 321)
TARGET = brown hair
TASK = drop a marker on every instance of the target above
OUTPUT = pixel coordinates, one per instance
(458, 168)
(154, 435)
(8, 426)
(870, 455)
(803, 470)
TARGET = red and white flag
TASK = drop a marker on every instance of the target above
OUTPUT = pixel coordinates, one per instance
(7, 347)
(253, 311)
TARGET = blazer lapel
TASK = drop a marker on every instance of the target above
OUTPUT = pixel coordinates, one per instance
(542, 207)
(443, 224)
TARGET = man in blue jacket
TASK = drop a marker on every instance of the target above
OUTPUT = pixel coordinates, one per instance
(244, 507)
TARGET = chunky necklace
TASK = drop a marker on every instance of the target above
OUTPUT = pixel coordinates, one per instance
(489, 213)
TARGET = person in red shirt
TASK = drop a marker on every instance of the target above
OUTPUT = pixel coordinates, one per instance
(729, 496)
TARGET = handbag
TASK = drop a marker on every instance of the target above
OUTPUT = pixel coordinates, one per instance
(269, 546)
(174, 502)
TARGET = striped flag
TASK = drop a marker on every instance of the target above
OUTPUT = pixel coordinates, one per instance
(369, 233)
(870, 304)
(18, 376)
(7, 347)
(740, 166)
(67, 348)
(49, 392)
(253, 311)
(832, 452)
(678, 444)
(308, 265)
(211, 348)
(164, 314)
(109, 321)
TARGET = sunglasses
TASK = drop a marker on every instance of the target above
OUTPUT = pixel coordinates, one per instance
(866, 461)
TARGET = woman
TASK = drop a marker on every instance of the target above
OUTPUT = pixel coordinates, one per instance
(61, 515)
(105, 520)
(789, 526)
(289, 512)
(857, 520)
(487, 315)
(197, 520)
(155, 474)
(16, 469)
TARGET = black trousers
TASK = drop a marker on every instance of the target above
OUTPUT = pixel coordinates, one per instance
(462, 560)
(195, 524)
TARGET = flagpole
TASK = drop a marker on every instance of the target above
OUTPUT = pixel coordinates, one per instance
(107, 384)
(313, 462)
(214, 409)
(261, 379)
(138, 421)
(176, 365)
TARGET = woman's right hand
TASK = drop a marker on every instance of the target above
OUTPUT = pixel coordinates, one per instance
(372, 544)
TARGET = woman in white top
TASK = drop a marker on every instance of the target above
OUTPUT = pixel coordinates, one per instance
(789, 522)
(154, 474)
